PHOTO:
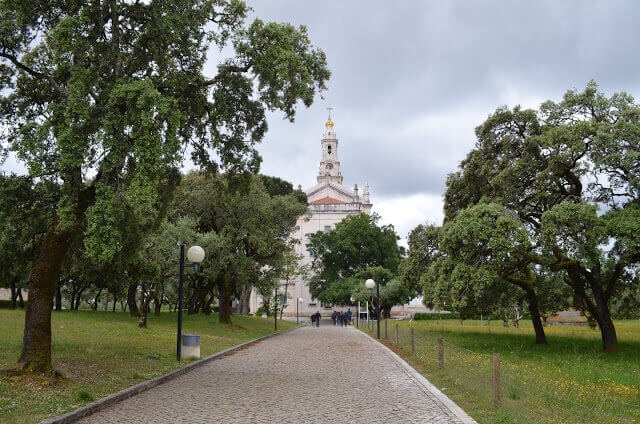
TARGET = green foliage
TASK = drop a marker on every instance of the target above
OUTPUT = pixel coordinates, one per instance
(552, 170)
(356, 244)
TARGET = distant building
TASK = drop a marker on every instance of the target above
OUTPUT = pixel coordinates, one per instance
(329, 203)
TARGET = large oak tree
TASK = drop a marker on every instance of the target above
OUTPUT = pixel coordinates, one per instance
(106, 96)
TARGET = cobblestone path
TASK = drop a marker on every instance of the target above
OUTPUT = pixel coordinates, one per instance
(310, 375)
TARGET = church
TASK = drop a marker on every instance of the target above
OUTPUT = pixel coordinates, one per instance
(329, 203)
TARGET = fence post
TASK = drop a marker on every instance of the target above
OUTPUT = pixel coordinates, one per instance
(413, 342)
(386, 333)
(496, 380)
(440, 352)
(397, 336)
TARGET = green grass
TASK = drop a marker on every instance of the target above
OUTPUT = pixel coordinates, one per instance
(569, 380)
(99, 353)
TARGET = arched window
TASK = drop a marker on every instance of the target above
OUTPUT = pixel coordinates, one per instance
(329, 149)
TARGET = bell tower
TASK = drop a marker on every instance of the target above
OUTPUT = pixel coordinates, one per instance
(329, 164)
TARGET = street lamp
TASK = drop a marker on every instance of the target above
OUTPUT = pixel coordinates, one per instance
(195, 255)
(277, 291)
(370, 284)
(297, 310)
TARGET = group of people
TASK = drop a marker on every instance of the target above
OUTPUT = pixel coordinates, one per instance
(341, 318)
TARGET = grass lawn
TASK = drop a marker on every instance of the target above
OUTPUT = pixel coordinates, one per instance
(100, 353)
(570, 380)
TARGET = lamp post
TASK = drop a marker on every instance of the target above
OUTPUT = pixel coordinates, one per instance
(370, 284)
(353, 300)
(297, 310)
(195, 255)
(276, 291)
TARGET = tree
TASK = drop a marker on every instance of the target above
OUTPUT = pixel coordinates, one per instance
(555, 169)
(104, 97)
(355, 244)
(393, 290)
(249, 229)
(27, 208)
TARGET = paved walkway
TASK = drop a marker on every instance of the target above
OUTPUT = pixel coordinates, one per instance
(310, 375)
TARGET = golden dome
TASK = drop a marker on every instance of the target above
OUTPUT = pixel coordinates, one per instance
(329, 123)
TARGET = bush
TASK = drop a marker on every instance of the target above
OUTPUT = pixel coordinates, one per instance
(426, 316)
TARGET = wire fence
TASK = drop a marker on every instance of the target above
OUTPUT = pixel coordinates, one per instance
(492, 387)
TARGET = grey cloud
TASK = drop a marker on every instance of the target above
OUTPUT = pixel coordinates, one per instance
(447, 63)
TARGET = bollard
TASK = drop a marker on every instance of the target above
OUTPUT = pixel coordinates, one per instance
(413, 342)
(397, 341)
(496, 380)
(386, 334)
(440, 353)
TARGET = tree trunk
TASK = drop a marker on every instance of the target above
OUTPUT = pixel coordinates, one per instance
(96, 300)
(243, 301)
(36, 342)
(20, 298)
(534, 309)
(157, 305)
(115, 299)
(14, 295)
(131, 300)
(59, 297)
(144, 307)
(225, 292)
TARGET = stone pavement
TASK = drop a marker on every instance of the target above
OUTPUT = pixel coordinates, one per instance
(310, 375)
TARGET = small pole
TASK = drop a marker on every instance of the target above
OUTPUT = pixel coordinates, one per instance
(413, 342)
(386, 334)
(275, 308)
(297, 313)
(358, 317)
(440, 353)
(180, 295)
(397, 335)
(378, 311)
(496, 380)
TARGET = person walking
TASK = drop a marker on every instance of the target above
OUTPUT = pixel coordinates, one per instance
(349, 316)
(313, 319)
(342, 317)
(318, 316)
(334, 317)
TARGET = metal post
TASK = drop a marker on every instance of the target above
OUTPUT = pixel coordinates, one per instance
(397, 335)
(440, 353)
(413, 342)
(358, 317)
(496, 380)
(297, 313)
(378, 311)
(180, 294)
(386, 333)
(275, 308)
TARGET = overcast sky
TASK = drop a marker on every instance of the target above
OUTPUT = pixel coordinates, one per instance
(412, 79)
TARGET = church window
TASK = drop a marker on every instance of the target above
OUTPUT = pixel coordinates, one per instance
(329, 149)
(327, 228)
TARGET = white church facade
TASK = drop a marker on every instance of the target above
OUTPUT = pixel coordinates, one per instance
(329, 203)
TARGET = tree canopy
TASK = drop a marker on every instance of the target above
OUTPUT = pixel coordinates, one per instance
(566, 179)
(104, 98)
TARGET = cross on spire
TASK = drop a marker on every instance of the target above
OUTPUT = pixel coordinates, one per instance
(329, 109)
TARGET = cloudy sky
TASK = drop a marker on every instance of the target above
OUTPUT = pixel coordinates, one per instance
(412, 79)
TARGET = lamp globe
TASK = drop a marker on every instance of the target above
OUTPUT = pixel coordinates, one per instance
(370, 284)
(195, 254)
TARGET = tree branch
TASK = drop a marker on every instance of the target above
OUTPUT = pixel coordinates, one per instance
(32, 71)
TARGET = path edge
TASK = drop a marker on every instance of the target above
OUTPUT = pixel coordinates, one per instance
(422, 380)
(114, 398)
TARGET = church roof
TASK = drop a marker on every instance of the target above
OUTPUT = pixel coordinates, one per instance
(326, 201)
(327, 183)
